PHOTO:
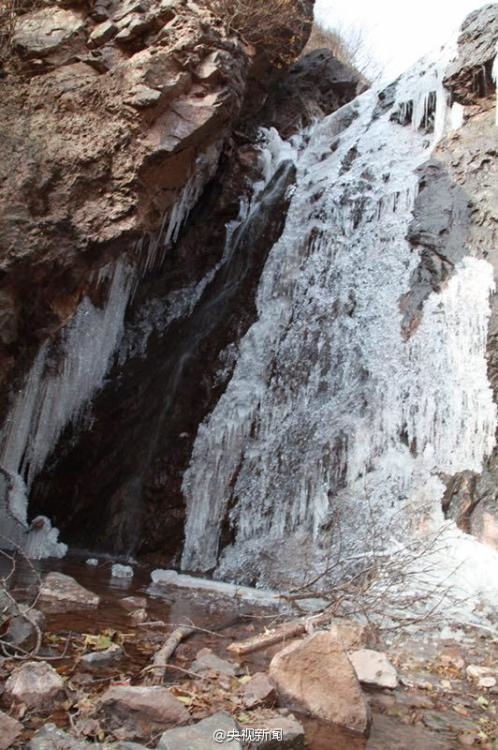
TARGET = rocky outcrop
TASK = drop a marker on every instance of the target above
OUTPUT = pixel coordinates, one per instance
(468, 160)
(470, 77)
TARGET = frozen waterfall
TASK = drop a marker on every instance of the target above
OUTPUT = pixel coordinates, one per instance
(332, 418)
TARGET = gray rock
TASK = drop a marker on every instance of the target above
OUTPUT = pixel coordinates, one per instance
(60, 589)
(138, 713)
(102, 34)
(46, 30)
(259, 691)
(280, 733)
(10, 729)
(50, 737)
(21, 631)
(202, 736)
(373, 668)
(207, 660)
(36, 684)
(102, 659)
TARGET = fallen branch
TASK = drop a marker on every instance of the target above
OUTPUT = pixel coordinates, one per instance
(161, 657)
(277, 635)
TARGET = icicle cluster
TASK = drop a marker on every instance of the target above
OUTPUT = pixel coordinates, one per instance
(332, 419)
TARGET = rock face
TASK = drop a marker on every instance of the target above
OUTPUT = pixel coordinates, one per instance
(140, 712)
(470, 77)
(36, 684)
(317, 677)
(128, 113)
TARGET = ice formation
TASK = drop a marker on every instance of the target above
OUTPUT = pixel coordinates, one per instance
(42, 540)
(331, 418)
(64, 379)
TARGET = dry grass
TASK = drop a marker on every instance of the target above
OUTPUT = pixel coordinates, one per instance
(349, 47)
(275, 27)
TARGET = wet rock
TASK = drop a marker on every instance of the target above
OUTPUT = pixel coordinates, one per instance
(102, 659)
(280, 733)
(259, 691)
(133, 602)
(60, 589)
(350, 634)
(202, 736)
(317, 677)
(374, 668)
(22, 630)
(140, 712)
(207, 660)
(483, 677)
(10, 729)
(36, 684)
(50, 737)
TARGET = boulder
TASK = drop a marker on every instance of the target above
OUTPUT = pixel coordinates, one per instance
(207, 660)
(374, 668)
(209, 734)
(259, 691)
(10, 729)
(36, 684)
(280, 733)
(316, 676)
(58, 588)
(102, 659)
(140, 712)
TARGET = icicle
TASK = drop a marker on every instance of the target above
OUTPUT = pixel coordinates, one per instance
(331, 416)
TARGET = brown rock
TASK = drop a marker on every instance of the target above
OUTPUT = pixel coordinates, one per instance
(10, 729)
(59, 590)
(140, 712)
(350, 634)
(36, 684)
(317, 677)
(259, 691)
